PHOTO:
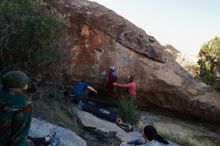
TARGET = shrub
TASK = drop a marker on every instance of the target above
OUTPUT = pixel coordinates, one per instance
(126, 109)
(28, 34)
(192, 67)
(210, 63)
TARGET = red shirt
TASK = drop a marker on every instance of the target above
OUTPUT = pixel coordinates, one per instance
(131, 87)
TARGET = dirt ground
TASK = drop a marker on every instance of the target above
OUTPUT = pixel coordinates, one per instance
(53, 104)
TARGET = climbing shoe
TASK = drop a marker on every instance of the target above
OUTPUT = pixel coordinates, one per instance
(119, 122)
(52, 134)
(55, 141)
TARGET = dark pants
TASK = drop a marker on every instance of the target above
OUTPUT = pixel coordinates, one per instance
(39, 141)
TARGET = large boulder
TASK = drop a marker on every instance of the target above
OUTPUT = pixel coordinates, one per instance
(98, 38)
(89, 121)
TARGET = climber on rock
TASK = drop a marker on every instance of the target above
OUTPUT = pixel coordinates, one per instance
(131, 86)
(80, 90)
(110, 79)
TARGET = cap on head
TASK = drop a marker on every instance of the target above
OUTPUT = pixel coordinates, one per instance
(150, 132)
(112, 67)
(14, 79)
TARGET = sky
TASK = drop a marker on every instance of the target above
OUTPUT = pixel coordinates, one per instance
(185, 24)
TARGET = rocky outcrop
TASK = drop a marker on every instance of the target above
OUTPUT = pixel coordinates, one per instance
(183, 133)
(106, 128)
(91, 122)
(97, 38)
(41, 128)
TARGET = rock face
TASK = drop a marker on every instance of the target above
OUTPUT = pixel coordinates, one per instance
(179, 131)
(98, 38)
(41, 128)
(92, 122)
(89, 121)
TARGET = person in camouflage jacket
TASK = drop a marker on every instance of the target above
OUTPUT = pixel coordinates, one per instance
(15, 110)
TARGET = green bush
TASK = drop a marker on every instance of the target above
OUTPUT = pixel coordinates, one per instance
(210, 62)
(192, 67)
(126, 109)
(29, 33)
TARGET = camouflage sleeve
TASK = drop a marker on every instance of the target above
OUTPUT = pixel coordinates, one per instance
(21, 127)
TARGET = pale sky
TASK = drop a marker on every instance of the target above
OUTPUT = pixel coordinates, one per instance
(185, 24)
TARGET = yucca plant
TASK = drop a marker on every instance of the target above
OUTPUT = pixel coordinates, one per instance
(127, 108)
